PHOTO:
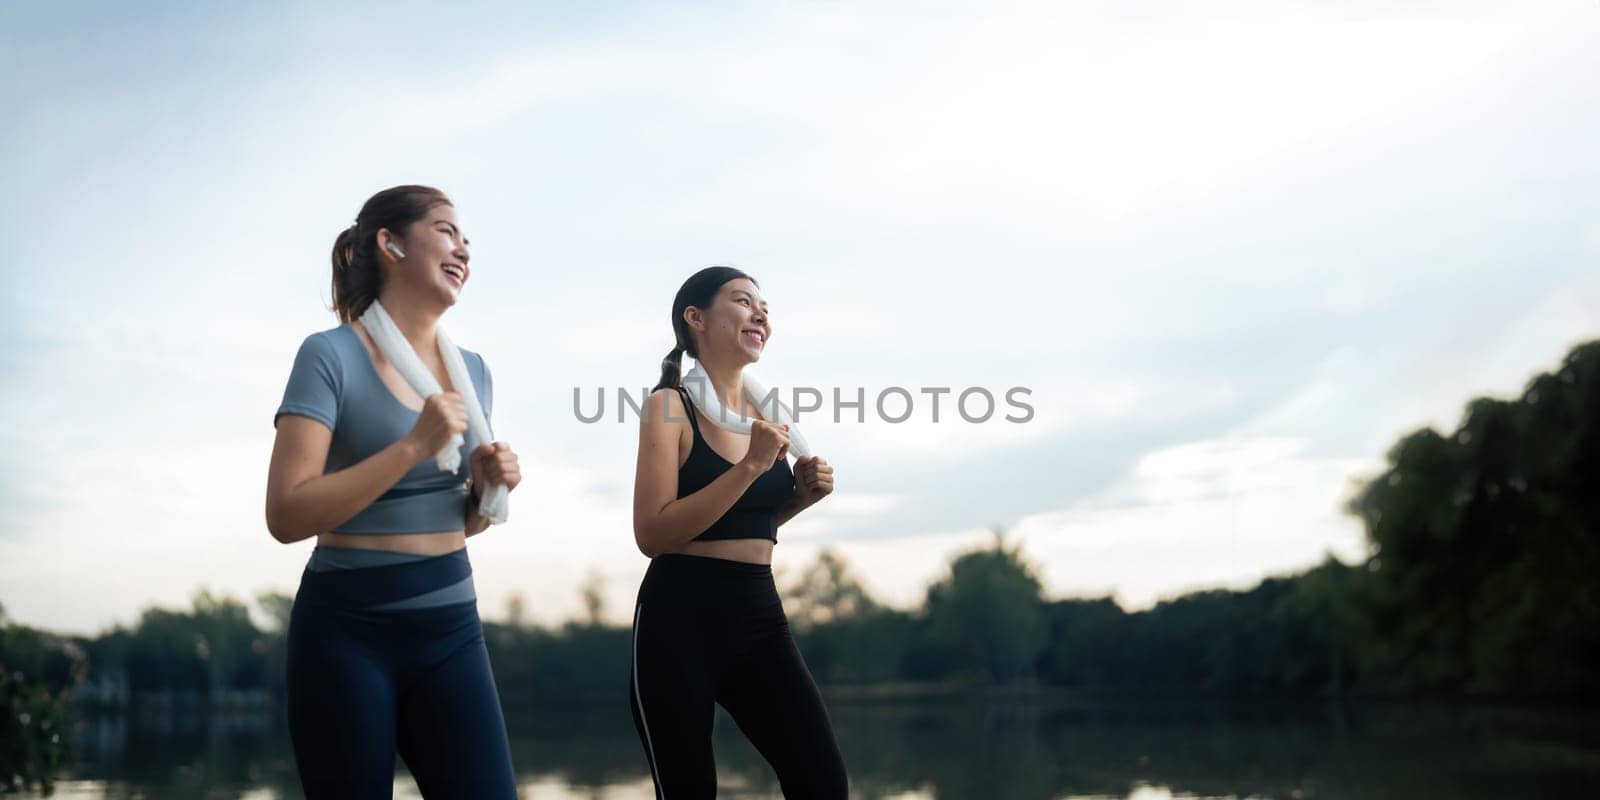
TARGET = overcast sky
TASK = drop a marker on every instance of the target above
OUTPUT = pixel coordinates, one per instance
(1234, 251)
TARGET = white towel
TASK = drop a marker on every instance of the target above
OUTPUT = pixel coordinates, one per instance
(698, 385)
(394, 346)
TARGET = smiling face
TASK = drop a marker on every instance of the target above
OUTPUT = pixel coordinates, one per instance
(735, 327)
(436, 265)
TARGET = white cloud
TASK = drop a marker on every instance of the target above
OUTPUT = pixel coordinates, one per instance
(1200, 515)
(1211, 513)
(824, 518)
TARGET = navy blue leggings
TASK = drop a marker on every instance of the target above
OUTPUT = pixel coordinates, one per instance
(712, 631)
(364, 684)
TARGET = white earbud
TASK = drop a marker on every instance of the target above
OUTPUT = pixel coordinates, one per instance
(394, 250)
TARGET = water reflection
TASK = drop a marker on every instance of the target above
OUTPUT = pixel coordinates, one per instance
(950, 748)
(555, 790)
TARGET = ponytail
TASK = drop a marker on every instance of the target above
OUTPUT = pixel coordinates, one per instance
(357, 279)
(671, 370)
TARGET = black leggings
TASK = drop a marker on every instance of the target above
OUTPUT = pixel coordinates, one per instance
(711, 630)
(363, 684)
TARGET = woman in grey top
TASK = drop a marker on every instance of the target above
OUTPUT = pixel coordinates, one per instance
(385, 647)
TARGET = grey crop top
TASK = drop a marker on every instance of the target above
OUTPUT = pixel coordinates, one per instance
(334, 382)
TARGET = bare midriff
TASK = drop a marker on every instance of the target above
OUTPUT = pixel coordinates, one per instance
(427, 544)
(750, 551)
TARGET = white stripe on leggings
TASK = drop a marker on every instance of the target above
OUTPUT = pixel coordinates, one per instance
(638, 698)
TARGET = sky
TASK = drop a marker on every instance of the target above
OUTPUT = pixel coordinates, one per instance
(1233, 251)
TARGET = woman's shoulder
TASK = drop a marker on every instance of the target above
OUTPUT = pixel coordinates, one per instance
(666, 405)
(331, 348)
(477, 367)
(334, 341)
(470, 356)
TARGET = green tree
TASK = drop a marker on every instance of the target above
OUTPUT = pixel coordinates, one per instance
(989, 613)
(826, 591)
(1485, 544)
(276, 608)
(593, 595)
(846, 635)
(36, 670)
(1088, 646)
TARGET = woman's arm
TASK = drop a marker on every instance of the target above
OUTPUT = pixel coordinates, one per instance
(805, 494)
(661, 521)
(492, 464)
(789, 510)
(302, 502)
(813, 480)
(476, 523)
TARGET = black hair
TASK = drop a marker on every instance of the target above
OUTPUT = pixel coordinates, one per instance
(697, 291)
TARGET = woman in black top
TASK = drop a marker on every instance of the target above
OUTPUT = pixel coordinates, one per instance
(709, 627)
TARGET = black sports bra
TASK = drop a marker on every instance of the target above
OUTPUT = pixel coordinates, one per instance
(754, 514)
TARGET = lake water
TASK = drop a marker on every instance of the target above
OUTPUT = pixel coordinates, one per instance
(950, 748)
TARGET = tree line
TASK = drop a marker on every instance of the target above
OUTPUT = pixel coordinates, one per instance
(1484, 543)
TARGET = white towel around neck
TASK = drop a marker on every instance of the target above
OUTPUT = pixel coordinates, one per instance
(394, 346)
(698, 384)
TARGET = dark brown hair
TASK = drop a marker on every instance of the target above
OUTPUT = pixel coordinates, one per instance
(357, 277)
(697, 291)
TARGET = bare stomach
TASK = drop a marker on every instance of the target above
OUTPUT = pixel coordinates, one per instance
(427, 544)
(750, 551)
